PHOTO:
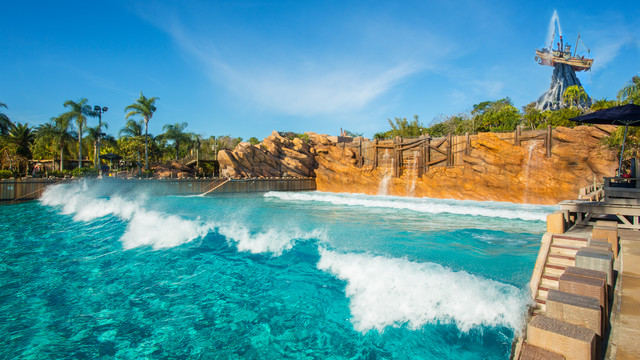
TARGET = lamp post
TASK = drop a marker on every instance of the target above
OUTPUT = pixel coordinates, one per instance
(99, 110)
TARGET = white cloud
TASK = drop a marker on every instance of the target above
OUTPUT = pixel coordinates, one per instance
(296, 84)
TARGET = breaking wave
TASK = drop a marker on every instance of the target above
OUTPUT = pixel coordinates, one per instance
(144, 227)
(424, 205)
(272, 240)
(394, 292)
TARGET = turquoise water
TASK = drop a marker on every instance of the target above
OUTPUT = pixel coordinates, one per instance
(108, 270)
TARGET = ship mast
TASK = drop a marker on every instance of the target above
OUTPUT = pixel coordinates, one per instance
(575, 49)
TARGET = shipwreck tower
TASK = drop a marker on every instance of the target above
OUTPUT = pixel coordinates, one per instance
(564, 66)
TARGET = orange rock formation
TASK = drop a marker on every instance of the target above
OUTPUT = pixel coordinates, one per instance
(494, 169)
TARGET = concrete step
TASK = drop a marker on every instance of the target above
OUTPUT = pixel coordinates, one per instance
(561, 260)
(564, 250)
(541, 306)
(537, 311)
(542, 293)
(548, 283)
(569, 241)
(553, 270)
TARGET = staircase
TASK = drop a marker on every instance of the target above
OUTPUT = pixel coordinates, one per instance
(561, 253)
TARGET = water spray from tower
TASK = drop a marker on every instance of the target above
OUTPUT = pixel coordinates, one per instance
(551, 33)
(565, 64)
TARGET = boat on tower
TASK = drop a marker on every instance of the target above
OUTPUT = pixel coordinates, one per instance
(562, 55)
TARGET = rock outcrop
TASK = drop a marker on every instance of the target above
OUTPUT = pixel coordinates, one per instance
(276, 156)
(494, 169)
(563, 77)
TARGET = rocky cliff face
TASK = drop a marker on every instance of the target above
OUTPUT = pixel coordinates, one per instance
(276, 156)
(494, 169)
(563, 77)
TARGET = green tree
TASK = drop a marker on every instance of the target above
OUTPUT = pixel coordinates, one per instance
(630, 93)
(18, 142)
(144, 107)
(352, 134)
(454, 124)
(532, 117)
(5, 123)
(253, 140)
(603, 104)
(404, 128)
(131, 128)
(498, 116)
(561, 117)
(78, 111)
(574, 95)
(93, 133)
(58, 133)
(175, 133)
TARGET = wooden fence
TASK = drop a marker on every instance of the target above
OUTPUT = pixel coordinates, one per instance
(421, 153)
(25, 189)
(13, 190)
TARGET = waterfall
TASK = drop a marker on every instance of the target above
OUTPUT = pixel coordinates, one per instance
(527, 169)
(413, 173)
(383, 188)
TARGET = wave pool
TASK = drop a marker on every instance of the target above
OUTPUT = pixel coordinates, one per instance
(107, 269)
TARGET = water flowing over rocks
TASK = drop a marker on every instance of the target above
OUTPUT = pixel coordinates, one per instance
(494, 169)
(563, 77)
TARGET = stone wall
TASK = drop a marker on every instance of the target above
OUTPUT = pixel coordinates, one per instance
(493, 168)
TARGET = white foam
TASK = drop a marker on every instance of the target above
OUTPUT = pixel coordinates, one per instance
(424, 205)
(271, 240)
(394, 292)
(144, 227)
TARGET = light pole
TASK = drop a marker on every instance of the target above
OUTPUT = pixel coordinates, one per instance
(99, 110)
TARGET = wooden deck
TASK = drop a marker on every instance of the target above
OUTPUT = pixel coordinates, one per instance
(587, 212)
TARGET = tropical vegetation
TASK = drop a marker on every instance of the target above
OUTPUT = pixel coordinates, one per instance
(144, 107)
(72, 135)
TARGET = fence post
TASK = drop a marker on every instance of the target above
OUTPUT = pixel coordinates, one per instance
(375, 154)
(427, 153)
(549, 140)
(467, 144)
(395, 156)
(449, 152)
(518, 136)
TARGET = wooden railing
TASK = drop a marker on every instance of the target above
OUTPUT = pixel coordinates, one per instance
(622, 191)
(421, 153)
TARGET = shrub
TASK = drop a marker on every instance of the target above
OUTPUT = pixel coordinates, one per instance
(84, 172)
(6, 174)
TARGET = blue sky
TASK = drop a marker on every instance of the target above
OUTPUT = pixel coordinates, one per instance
(246, 68)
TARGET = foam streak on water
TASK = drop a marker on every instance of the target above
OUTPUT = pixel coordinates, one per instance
(393, 292)
(424, 205)
(271, 240)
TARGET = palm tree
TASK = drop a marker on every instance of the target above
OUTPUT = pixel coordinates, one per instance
(176, 133)
(57, 131)
(574, 94)
(131, 129)
(603, 104)
(5, 123)
(18, 141)
(78, 111)
(93, 134)
(630, 93)
(144, 107)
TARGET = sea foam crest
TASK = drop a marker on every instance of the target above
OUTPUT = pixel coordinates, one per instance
(424, 205)
(144, 227)
(270, 240)
(395, 292)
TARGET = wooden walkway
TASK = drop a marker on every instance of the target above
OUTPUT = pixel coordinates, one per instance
(587, 212)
